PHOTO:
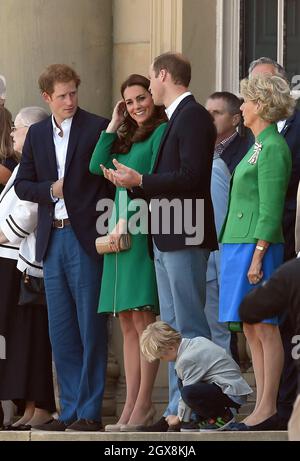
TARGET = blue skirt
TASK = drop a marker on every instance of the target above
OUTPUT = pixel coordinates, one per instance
(234, 285)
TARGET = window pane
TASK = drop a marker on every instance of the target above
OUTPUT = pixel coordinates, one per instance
(293, 38)
(260, 30)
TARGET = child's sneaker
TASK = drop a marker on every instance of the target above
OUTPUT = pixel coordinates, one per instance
(217, 424)
(191, 426)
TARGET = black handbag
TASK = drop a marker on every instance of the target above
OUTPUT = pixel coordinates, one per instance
(32, 290)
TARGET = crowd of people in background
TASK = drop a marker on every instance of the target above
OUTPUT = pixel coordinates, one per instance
(160, 146)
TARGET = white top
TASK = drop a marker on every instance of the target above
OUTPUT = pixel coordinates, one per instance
(171, 109)
(280, 125)
(18, 220)
(61, 147)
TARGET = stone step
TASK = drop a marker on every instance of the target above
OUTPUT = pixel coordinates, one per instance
(143, 436)
(249, 377)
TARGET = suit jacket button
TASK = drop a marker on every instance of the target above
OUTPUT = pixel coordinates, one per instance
(240, 214)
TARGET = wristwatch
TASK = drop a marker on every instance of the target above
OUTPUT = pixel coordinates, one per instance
(260, 247)
(141, 182)
(54, 199)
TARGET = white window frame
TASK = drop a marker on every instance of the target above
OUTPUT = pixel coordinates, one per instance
(228, 44)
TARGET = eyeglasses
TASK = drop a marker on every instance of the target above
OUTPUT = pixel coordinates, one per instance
(15, 128)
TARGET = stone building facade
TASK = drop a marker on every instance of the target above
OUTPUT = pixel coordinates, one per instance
(105, 40)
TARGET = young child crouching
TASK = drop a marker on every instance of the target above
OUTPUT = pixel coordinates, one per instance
(210, 381)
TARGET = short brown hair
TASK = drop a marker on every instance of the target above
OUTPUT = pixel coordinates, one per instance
(57, 73)
(177, 65)
(233, 103)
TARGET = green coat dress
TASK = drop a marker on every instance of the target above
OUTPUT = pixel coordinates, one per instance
(128, 280)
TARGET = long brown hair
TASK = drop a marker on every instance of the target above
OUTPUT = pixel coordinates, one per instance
(6, 142)
(130, 132)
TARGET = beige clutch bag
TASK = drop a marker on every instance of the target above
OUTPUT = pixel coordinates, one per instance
(103, 246)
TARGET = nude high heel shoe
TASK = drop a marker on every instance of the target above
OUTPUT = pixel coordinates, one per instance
(113, 427)
(134, 427)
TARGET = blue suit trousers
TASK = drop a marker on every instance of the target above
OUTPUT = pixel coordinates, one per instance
(78, 334)
(181, 281)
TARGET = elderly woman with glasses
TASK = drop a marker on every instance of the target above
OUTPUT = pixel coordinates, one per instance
(26, 374)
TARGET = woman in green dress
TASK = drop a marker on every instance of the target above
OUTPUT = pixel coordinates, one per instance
(128, 287)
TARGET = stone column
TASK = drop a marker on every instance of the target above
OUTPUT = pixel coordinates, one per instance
(36, 33)
(109, 407)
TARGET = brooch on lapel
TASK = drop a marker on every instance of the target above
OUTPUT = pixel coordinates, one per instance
(254, 157)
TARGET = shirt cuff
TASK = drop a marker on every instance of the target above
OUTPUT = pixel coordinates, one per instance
(54, 199)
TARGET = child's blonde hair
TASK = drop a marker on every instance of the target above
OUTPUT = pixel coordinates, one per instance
(157, 338)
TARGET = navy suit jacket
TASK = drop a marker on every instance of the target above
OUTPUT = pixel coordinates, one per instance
(236, 151)
(183, 171)
(82, 190)
(291, 133)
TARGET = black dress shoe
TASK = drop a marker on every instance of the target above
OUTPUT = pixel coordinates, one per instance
(282, 423)
(1, 416)
(20, 427)
(51, 425)
(85, 425)
(160, 426)
(270, 424)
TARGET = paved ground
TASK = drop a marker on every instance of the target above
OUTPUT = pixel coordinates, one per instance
(143, 436)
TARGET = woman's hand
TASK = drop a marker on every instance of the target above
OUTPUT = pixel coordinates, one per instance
(172, 420)
(255, 274)
(118, 117)
(115, 235)
(108, 173)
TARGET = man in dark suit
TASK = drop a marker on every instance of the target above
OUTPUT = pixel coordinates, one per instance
(224, 107)
(181, 177)
(280, 295)
(54, 172)
(290, 129)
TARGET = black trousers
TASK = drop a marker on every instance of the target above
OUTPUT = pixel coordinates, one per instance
(288, 385)
(206, 400)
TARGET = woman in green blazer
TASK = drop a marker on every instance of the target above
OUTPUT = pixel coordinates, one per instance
(128, 287)
(252, 234)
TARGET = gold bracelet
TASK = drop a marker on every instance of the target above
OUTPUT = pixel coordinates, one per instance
(260, 247)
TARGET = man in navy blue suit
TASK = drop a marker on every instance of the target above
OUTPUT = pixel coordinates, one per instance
(181, 177)
(54, 172)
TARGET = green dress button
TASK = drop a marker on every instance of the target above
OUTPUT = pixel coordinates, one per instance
(240, 214)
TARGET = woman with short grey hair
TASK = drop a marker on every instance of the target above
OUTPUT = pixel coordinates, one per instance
(26, 374)
(252, 235)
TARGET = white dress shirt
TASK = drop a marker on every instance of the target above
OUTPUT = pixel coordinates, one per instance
(61, 147)
(172, 107)
(280, 125)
